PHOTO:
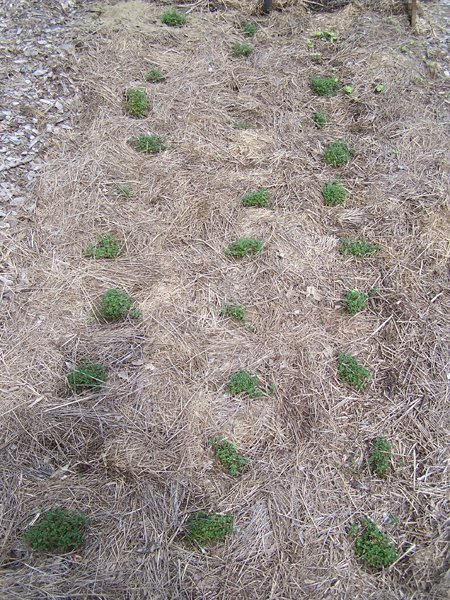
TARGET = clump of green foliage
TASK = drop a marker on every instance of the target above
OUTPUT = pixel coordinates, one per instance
(242, 382)
(333, 193)
(173, 18)
(380, 88)
(106, 247)
(241, 125)
(320, 119)
(137, 103)
(86, 377)
(348, 89)
(58, 530)
(204, 528)
(226, 452)
(355, 301)
(380, 457)
(117, 306)
(372, 547)
(249, 28)
(124, 190)
(233, 311)
(351, 372)
(242, 49)
(154, 75)
(244, 247)
(326, 35)
(259, 198)
(357, 247)
(316, 57)
(325, 86)
(337, 154)
(148, 144)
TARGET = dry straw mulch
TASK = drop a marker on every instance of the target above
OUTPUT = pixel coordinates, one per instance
(135, 455)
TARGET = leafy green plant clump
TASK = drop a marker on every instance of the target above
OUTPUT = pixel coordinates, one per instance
(259, 198)
(337, 154)
(106, 247)
(154, 75)
(86, 377)
(244, 247)
(124, 190)
(380, 457)
(357, 247)
(325, 86)
(173, 18)
(372, 547)
(148, 144)
(233, 311)
(249, 28)
(380, 88)
(326, 34)
(58, 530)
(333, 193)
(242, 382)
(354, 301)
(241, 125)
(137, 103)
(226, 452)
(117, 306)
(242, 49)
(204, 528)
(351, 372)
(320, 119)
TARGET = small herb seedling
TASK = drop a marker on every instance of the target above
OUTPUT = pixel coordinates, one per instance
(58, 531)
(249, 28)
(137, 103)
(124, 190)
(320, 119)
(148, 144)
(337, 154)
(86, 377)
(242, 382)
(106, 247)
(155, 76)
(309, 43)
(380, 88)
(372, 547)
(204, 528)
(333, 193)
(316, 57)
(259, 198)
(380, 457)
(242, 49)
(348, 89)
(326, 35)
(117, 306)
(226, 452)
(357, 247)
(241, 125)
(355, 301)
(325, 86)
(233, 311)
(351, 372)
(173, 18)
(244, 247)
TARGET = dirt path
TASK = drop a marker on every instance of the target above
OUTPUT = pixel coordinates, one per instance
(135, 456)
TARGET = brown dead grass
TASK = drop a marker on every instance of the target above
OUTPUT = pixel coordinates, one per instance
(135, 456)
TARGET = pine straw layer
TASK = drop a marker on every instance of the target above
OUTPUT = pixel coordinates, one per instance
(135, 455)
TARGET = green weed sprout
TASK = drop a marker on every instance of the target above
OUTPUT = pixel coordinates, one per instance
(333, 193)
(320, 119)
(351, 372)
(173, 18)
(242, 382)
(325, 86)
(259, 198)
(354, 301)
(357, 247)
(204, 528)
(380, 88)
(154, 76)
(117, 306)
(242, 49)
(86, 377)
(148, 144)
(326, 35)
(372, 547)
(241, 125)
(233, 311)
(106, 247)
(124, 190)
(228, 455)
(137, 103)
(348, 89)
(57, 531)
(337, 154)
(380, 457)
(249, 28)
(244, 247)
